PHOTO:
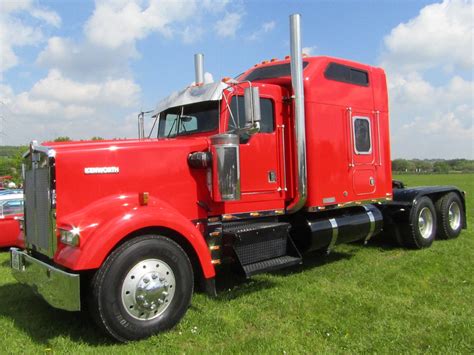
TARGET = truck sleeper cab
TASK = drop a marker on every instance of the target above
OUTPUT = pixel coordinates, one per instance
(290, 157)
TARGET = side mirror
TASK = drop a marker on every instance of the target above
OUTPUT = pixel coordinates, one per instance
(252, 107)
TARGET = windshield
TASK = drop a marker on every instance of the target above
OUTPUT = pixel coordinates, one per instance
(189, 119)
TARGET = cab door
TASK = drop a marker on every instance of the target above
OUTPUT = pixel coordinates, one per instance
(260, 154)
(363, 152)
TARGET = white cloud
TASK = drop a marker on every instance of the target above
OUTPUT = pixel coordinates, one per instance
(56, 88)
(117, 23)
(89, 88)
(309, 50)
(228, 26)
(16, 31)
(85, 60)
(432, 115)
(59, 106)
(442, 32)
(192, 33)
(208, 78)
(50, 17)
(266, 27)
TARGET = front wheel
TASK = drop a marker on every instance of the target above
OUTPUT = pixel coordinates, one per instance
(144, 287)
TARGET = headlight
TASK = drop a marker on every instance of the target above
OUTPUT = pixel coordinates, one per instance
(70, 236)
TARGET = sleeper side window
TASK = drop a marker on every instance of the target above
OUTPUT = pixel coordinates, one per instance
(345, 74)
(362, 135)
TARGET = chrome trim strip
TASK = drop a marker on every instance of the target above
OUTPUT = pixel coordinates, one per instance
(260, 192)
(351, 134)
(372, 224)
(282, 127)
(349, 204)
(300, 129)
(377, 114)
(252, 214)
(335, 234)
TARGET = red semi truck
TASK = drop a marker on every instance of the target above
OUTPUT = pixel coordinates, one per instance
(291, 156)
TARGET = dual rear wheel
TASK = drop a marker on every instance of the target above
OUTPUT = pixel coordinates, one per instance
(443, 220)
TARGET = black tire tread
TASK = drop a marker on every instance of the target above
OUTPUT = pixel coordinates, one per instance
(94, 294)
(411, 238)
(441, 206)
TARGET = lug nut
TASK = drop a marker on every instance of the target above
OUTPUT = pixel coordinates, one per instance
(146, 280)
(154, 277)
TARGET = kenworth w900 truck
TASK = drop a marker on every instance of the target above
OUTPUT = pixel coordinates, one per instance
(291, 156)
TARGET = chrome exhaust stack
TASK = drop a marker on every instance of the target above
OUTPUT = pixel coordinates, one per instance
(300, 126)
(199, 68)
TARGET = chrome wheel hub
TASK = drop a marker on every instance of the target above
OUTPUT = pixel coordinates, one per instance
(425, 222)
(148, 289)
(454, 216)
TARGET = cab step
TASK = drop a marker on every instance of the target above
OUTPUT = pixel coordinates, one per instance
(271, 265)
(262, 246)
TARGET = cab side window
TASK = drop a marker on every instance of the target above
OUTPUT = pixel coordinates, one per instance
(237, 118)
(362, 136)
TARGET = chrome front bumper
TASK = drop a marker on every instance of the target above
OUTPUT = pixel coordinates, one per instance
(59, 288)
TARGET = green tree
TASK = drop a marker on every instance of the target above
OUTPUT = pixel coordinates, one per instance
(63, 139)
(441, 167)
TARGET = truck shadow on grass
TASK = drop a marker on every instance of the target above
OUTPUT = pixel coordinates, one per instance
(42, 323)
(232, 284)
(34, 317)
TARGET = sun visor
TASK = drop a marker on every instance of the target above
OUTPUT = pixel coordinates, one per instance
(190, 95)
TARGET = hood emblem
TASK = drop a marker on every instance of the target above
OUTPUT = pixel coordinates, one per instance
(102, 170)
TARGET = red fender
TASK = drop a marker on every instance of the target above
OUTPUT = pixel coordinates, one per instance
(105, 223)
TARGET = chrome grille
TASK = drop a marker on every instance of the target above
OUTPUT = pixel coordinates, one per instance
(38, 223)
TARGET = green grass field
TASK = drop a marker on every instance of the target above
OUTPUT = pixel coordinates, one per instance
(375, 298)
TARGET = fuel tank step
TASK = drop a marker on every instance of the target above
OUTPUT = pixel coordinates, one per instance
(262, 246)
(271, 265)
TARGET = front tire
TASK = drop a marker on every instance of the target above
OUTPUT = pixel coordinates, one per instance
(450, 212)
(422, 231)
(144, 287)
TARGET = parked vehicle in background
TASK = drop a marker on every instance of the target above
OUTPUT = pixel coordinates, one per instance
(11, 212)
(10, 192)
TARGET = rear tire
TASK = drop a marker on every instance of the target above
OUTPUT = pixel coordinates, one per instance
(144, 287)
(450, 213)
(422, 231)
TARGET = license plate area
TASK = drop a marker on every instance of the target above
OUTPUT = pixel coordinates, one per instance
(16, 260)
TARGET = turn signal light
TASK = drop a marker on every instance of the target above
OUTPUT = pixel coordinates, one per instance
(69, 237)
(143, 198)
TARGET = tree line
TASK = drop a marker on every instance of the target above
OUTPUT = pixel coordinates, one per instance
(428, 166)
(11, 159)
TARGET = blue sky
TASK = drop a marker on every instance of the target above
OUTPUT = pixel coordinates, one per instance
(84, 68)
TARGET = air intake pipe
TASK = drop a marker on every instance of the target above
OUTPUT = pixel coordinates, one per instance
(299, 129)
(199, 68)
